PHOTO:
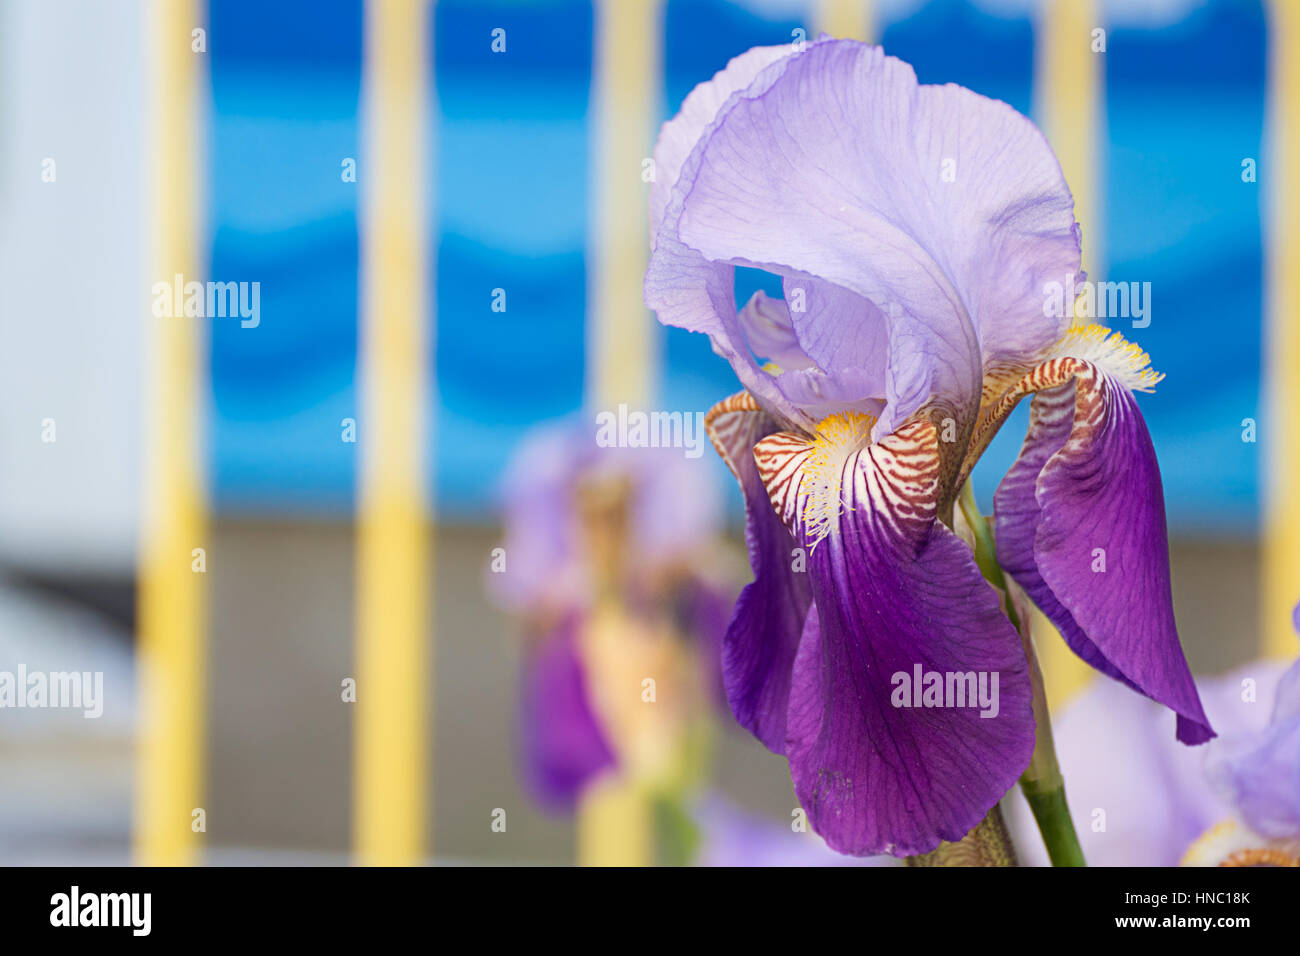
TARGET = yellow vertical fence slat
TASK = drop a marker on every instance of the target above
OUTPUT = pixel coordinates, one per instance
(615, 824)
(614, 817)
(626, 75)
(1068, 99)
(845, 19)
(394, 551)
(1281, 432)
(171, 601)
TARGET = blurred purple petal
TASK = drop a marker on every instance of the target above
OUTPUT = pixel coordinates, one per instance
(1260, 773)
(732, 837)
(563, 747)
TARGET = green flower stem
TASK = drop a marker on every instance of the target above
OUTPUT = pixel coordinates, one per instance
(1041, 783)
(677, 836)
(986, 556)
(1052, 814)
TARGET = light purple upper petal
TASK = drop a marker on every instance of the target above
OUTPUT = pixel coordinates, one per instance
(895, 590)
(769, 331)
(691, 292)
(1080, 522)
(837, 329)
(944, 210)
(679, 135)
(773, 334)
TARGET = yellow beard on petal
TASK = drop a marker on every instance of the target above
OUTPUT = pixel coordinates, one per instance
(1117, 359)
(1112, 353)
(837, 437)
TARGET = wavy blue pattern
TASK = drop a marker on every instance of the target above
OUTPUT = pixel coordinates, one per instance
(1185, 106)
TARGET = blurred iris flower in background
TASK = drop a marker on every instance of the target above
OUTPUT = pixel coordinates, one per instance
(610, 563)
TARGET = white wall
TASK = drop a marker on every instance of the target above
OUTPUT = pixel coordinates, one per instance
(72, 281)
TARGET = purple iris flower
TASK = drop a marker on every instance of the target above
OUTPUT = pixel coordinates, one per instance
(917, 231)
(673, 514)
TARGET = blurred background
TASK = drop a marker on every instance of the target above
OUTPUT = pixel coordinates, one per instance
(520, 104)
